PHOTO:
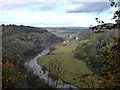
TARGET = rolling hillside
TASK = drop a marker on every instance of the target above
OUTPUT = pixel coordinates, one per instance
(27, 41)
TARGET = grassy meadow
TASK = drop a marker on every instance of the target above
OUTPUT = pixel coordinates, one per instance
(74, 71)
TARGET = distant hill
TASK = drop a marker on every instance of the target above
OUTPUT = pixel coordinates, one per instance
(25, 40)
(67, 27)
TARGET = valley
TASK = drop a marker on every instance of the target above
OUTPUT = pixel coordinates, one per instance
(69, 63)
(72, 70)
(63, 62)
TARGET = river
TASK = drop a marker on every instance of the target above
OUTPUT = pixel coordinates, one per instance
(33, 65)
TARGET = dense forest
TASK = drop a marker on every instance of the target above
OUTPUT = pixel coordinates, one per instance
(26, 41)
(87, 51)
(18, 44)
(101, 53)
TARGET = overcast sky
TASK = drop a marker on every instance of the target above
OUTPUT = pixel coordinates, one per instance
(43, 13)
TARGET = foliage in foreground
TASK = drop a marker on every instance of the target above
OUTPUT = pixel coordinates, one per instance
(110, 56)
(110, 69)
(15, 75)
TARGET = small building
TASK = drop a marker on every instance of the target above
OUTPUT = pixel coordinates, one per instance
(70, 36)
(77, 38)
(68, 41)
(64, 41)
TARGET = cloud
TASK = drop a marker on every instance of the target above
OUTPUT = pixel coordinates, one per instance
(11, 4)
(48, 7)
(34, 5)
(112, 10)
(44, 6)
(88, 7)
(43, 15)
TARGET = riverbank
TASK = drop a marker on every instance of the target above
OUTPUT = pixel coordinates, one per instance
(33, 65)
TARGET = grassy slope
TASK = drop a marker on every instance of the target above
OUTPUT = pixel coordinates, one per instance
(73, 68)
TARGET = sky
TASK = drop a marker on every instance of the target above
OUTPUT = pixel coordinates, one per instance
(52, 13)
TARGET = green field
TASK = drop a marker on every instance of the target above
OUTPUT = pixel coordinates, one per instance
(62, 35)
(74, 71)
(64, 32)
